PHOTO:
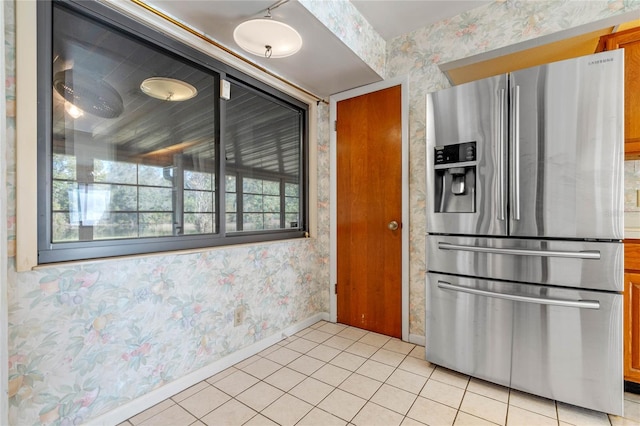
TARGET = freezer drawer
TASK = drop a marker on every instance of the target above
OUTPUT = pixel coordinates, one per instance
(593, 265)
(467, 333)
(569, 354)
(563, 344)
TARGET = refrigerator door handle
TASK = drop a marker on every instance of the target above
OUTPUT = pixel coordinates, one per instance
(582, 304)
(501, 160)
(515, 154)
(594, 255)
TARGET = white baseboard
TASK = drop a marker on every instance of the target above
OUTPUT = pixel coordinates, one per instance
(417, 339)
(152, 398)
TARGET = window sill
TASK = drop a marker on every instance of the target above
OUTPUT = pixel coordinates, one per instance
(45, 266)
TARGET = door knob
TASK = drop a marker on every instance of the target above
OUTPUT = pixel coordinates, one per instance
(393, 225)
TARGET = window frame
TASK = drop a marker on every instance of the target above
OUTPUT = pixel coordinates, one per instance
(49, 252)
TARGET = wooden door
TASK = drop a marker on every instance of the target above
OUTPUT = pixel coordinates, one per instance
(369, 201)
(632, 327)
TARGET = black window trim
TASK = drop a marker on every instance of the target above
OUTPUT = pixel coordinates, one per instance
(95, 250)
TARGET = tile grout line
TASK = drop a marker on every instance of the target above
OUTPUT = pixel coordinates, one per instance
(395, 368)
(281, 366)
(337, 387)
(358, 354)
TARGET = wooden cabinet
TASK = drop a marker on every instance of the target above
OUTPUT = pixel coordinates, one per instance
(632, 326)
(629, 40)
(632, 311)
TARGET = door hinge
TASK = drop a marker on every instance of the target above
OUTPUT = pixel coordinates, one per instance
(335, 289)
(335, 125)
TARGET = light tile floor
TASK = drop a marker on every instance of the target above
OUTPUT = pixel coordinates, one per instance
(331, 374)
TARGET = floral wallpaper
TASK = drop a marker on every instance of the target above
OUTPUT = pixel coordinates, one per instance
(631, 185)
(344, 20)
(632, 198)
(10, 131)
(85, 338)
(417, 54)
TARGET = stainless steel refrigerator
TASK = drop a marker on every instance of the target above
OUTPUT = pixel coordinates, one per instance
(525, 228)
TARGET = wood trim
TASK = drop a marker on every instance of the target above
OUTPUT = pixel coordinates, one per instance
(26, 250)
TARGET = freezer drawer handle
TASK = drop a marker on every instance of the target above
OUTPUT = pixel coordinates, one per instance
(582, 304)
(522, 252)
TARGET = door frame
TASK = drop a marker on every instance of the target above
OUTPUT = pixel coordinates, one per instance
(403, 82)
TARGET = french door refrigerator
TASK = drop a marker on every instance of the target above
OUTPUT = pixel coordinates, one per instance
(525, 229)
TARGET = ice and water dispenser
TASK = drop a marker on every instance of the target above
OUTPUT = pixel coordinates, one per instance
(455, 178)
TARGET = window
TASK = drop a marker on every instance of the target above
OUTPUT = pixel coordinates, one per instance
(265, 204)
(138, 153)
(262, 163)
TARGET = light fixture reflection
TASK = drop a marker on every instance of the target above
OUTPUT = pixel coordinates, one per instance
(168, 89)
(73, 110)
(89, 93)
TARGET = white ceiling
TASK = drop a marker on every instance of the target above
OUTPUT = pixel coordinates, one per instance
(324, 65)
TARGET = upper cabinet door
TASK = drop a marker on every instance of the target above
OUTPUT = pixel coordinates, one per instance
(466, 154)
(628, 40)
(566, 149)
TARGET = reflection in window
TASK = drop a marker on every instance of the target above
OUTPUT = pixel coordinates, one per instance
(127, 200)
(127, 162)
(263, 154)
(199, 204)
(264, 205)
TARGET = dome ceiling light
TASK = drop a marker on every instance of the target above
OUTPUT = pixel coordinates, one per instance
(267, 37)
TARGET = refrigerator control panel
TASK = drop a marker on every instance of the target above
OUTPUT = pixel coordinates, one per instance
(457, 153)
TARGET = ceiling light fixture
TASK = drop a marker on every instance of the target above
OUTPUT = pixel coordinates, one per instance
(267, 37)
(168, 89)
